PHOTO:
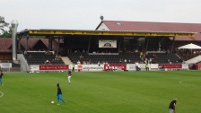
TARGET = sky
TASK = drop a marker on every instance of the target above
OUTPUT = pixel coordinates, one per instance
(85, 14)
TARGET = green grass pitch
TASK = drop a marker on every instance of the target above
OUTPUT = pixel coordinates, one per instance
(102, 92)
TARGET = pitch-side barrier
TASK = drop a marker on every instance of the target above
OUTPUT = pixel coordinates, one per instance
(106, 67)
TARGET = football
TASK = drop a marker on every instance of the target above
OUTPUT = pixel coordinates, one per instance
(52, 102)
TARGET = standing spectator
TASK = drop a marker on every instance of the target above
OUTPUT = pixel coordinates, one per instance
(172, 106)
(59, 95)
(73, 68)
(1, 75)
(147, 67)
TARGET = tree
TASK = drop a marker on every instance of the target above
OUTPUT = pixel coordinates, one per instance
(3, 26)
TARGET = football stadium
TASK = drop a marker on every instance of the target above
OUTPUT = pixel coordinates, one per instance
(120, 66)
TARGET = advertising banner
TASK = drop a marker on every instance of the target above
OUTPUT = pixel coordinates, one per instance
(95, 67)
(34, 68)
(5, 65)
(107, 43)
(170, 66)
(115, 67)
(53, 67)
(131, 67)
(185, 66)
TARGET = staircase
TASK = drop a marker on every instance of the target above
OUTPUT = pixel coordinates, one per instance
(66, 60)
(194, 60)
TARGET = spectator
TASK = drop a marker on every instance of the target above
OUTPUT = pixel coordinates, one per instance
(78, 62)
(155, 56)
(47, 62)
(120, 61)
(125, 60)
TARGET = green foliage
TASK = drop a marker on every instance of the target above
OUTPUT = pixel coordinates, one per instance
(3, 28)
(102, 92)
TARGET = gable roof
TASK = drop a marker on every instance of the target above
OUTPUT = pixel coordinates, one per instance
(154, 26)
(31, 42)
(5, 43)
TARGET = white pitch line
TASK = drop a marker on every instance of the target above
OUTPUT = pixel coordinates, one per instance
(1, 94)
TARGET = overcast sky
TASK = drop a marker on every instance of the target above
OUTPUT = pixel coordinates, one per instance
(85, 14)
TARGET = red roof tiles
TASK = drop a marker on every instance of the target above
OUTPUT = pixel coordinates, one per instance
(155, 26)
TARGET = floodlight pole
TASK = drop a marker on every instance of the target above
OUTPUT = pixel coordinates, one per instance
(14, 25)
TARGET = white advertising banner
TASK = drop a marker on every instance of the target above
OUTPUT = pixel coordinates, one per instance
(34, 68)
(154, 66)
(132, 67)
(185, 66)
(5, 65)
(107, 43)
(92, 67)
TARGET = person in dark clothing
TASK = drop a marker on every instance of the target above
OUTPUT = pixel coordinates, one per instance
(59, 95)
(1, 75)
(172, 106)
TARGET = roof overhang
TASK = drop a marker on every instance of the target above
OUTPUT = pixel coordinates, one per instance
(54, 32)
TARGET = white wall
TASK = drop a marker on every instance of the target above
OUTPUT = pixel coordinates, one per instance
(103, 27)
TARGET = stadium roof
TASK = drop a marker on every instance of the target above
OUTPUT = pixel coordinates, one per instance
(153, 27)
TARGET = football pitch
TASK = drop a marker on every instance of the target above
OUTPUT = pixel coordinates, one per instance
(101, 92)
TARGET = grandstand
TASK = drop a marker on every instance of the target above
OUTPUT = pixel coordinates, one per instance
(113, 42)
(44, 57)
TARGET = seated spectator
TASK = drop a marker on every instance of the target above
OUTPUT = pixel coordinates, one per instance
(125, 60)
(90, 62)
(129, 61)
(84, 62)
(47, 62)
(155, 56)
(78, 62)
(83, 51)
(81, 57)
(29, 56)
(120, 61)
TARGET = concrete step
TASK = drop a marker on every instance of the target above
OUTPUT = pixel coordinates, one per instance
(66, 60)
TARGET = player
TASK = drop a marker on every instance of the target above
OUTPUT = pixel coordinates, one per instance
(172, 106)
(69, 76)
(59, 95)
(1, 75)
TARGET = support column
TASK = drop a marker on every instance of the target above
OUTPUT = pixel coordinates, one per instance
(172, 45)
(27, 48)
(19, 45)
(58, 46)
(14, 24)
(50, 43)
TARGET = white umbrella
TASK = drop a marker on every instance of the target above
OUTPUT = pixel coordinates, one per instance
(190, 46)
